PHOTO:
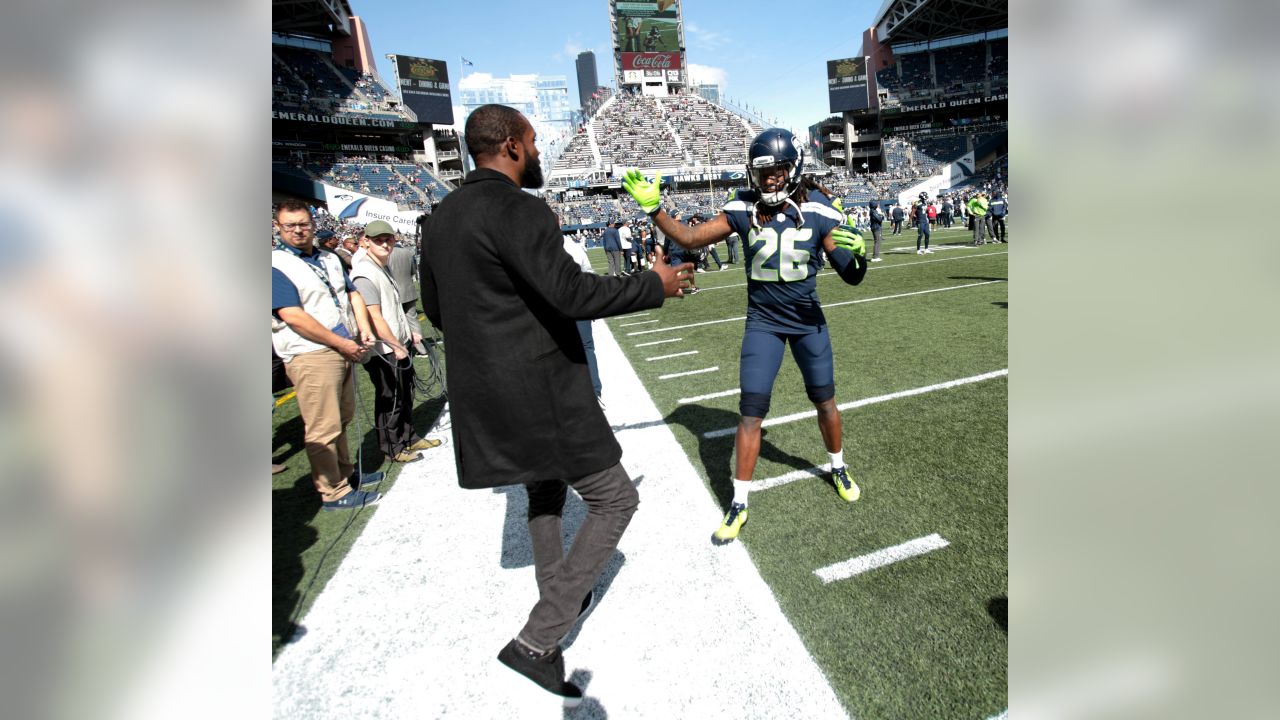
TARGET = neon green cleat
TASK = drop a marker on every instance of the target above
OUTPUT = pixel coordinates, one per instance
(733, 522)
(845, 485)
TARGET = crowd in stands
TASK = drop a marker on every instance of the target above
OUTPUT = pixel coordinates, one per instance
(682, 130)
(632, 132)
(959, 69)
(710, 134)
(304, 80)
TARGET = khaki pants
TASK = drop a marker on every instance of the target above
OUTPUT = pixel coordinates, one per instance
(326, 401)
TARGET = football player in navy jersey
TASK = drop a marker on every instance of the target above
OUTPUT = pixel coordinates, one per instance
(783, 231)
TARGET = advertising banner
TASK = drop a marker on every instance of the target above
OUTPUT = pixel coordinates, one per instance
(650, 61)
(424, 89)
(361, 209)
(651, 8)
(847, 87)
(951, 175)
(347, 120)
(958, 102)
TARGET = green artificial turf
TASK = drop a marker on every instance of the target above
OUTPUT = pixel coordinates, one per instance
(925, 636)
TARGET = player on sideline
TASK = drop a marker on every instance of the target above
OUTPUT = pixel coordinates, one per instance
(784, 230)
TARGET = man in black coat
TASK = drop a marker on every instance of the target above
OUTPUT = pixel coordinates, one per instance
(497, 281)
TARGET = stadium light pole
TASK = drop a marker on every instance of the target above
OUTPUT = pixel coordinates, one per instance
(711, 192)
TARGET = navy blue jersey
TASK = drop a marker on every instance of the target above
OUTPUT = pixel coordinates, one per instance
(782, 263)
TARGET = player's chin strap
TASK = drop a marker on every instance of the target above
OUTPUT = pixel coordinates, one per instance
(755, 214)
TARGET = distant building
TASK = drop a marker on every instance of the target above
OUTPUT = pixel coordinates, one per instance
(542, 99)
(587, 78)
(710, 92)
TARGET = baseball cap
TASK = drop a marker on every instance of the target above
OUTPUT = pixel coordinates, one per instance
(378, 227)
(324, 234)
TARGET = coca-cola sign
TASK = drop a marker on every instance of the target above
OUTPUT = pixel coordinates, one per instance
(651, 61)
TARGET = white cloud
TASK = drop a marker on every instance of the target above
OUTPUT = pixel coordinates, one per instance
(704, 39)
(707, 75)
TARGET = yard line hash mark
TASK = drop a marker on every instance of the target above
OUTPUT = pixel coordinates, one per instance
(690, 372)
(658, 342)
(673, 355)
(880, 558)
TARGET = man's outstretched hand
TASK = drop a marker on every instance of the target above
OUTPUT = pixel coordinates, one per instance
(647, 194)
(674, 279)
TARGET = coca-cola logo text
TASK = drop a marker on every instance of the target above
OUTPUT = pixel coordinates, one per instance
(651, 61)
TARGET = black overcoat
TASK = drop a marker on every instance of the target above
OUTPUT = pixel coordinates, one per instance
(497, 282)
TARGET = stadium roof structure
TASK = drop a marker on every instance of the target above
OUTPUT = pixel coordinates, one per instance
(311, 17)
(918, 20)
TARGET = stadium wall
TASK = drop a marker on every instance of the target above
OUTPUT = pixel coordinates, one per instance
(355, 50)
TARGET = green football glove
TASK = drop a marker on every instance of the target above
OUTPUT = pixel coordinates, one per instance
(646, 193)
(849, 239)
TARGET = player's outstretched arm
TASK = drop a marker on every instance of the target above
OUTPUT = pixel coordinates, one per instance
(647, 196)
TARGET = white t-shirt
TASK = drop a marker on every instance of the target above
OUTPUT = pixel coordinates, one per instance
(578, 253)
(624, 233)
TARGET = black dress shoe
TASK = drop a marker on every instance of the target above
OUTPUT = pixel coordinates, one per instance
(544, 669)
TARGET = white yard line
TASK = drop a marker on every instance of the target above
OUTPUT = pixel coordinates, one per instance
(790, 477)
(657, 342)
(698, 398)
(634, 315)
(673, 355)
(722, 432)
(642, 322)
(856, 566)
(910, 294)
(894, 266)
(690, 372)
(827, 305)
(441, 578)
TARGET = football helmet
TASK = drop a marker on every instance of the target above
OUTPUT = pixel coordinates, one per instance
(924, 197)
(773, 148)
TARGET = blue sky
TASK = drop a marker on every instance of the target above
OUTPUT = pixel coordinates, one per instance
(771, 56)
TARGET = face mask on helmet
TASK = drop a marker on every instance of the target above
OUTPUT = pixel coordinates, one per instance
(774, 151)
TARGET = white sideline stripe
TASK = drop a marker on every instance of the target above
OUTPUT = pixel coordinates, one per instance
(790, 477)
(635, 315)
(867, 401)
(442, 616)
(690, 372)
(824, 306)
(658, 342)
(856, 566)
(668, 357)
(642, 322)
(894, 266)
(696, 398)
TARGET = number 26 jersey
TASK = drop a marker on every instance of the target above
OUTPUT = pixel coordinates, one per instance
(782, 263)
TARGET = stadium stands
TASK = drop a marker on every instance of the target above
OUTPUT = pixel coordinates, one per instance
(632, 132)
(709, 134)
(307, 80)
(923, 75)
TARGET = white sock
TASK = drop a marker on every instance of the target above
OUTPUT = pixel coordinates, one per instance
(837, 459)
(740, 490)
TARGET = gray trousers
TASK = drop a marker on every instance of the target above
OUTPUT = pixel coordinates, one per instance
(612, 256)
(564, 580)
(979, 229)
(876, 234)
